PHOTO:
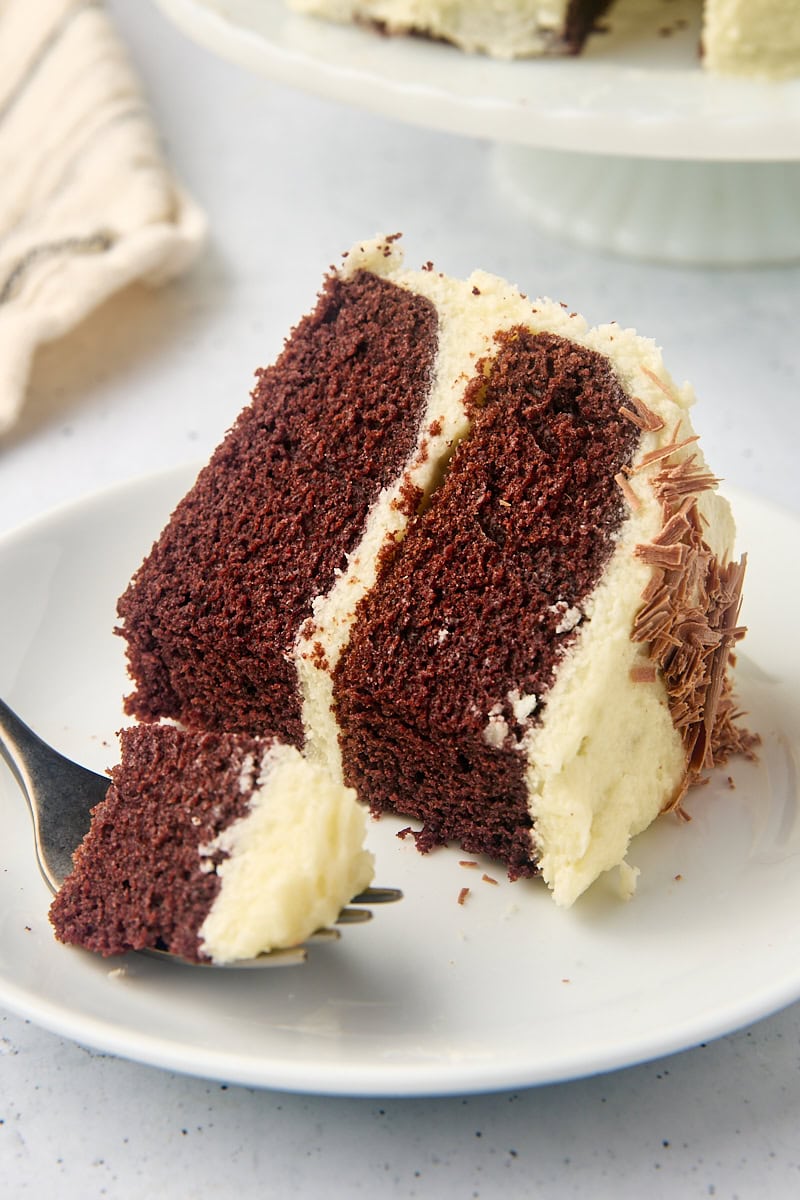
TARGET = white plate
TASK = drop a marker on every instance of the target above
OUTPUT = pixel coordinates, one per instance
(632, 92)
(431, 997)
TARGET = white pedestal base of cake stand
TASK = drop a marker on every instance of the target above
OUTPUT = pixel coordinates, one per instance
(717, 213)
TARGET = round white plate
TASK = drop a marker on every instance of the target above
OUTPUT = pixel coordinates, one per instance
(634, 90)
(432, 997)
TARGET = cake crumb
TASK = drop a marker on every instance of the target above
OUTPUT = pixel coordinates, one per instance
(462, 895)
(627, 879)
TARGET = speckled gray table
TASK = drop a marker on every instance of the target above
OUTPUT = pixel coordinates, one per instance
(150, 382)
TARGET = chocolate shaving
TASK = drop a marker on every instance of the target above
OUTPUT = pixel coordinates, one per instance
(689, 622)
(675, 529)
(646, 673)
(662, 556)
(643, 417)
(664, 452)
(684, 479)
(627, 491)
(651, 375)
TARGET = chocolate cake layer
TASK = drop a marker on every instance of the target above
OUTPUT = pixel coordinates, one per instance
(457, 644)
(138, 880)
(212, 614)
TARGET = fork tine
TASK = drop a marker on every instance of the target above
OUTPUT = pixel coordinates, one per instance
(378, 895)
(353, 916)
(322, 935)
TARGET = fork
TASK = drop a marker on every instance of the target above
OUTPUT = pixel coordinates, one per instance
(61, 795)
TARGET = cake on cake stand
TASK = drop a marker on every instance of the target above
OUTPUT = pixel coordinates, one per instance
(631, 147)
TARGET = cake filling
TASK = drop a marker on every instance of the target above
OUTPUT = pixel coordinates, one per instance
(211, 619)
(511, 29)
(494, 573)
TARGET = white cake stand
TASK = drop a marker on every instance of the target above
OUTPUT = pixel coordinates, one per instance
(632, 147)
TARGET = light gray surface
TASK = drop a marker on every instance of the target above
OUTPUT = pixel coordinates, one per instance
(154, 379)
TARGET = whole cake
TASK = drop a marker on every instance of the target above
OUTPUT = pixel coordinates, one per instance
(501, 28)
(739, 37)
(213, 846)
(465, 553)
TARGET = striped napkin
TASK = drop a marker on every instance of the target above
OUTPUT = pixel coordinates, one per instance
(87, 202)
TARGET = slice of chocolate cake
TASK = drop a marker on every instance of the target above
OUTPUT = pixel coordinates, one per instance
(213, 846)
(465, 553)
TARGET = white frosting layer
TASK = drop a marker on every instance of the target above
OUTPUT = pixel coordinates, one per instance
(295, 859)
(603, 756)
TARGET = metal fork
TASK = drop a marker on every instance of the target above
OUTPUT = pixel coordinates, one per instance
(61, 795)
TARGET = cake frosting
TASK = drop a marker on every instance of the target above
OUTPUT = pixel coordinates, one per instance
(213, 846)
(501, 28)
(465, 553)
(758, 38)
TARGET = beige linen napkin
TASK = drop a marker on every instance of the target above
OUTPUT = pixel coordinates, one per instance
(87, 202)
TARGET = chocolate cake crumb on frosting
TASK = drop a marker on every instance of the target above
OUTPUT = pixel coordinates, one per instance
(464, 553)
